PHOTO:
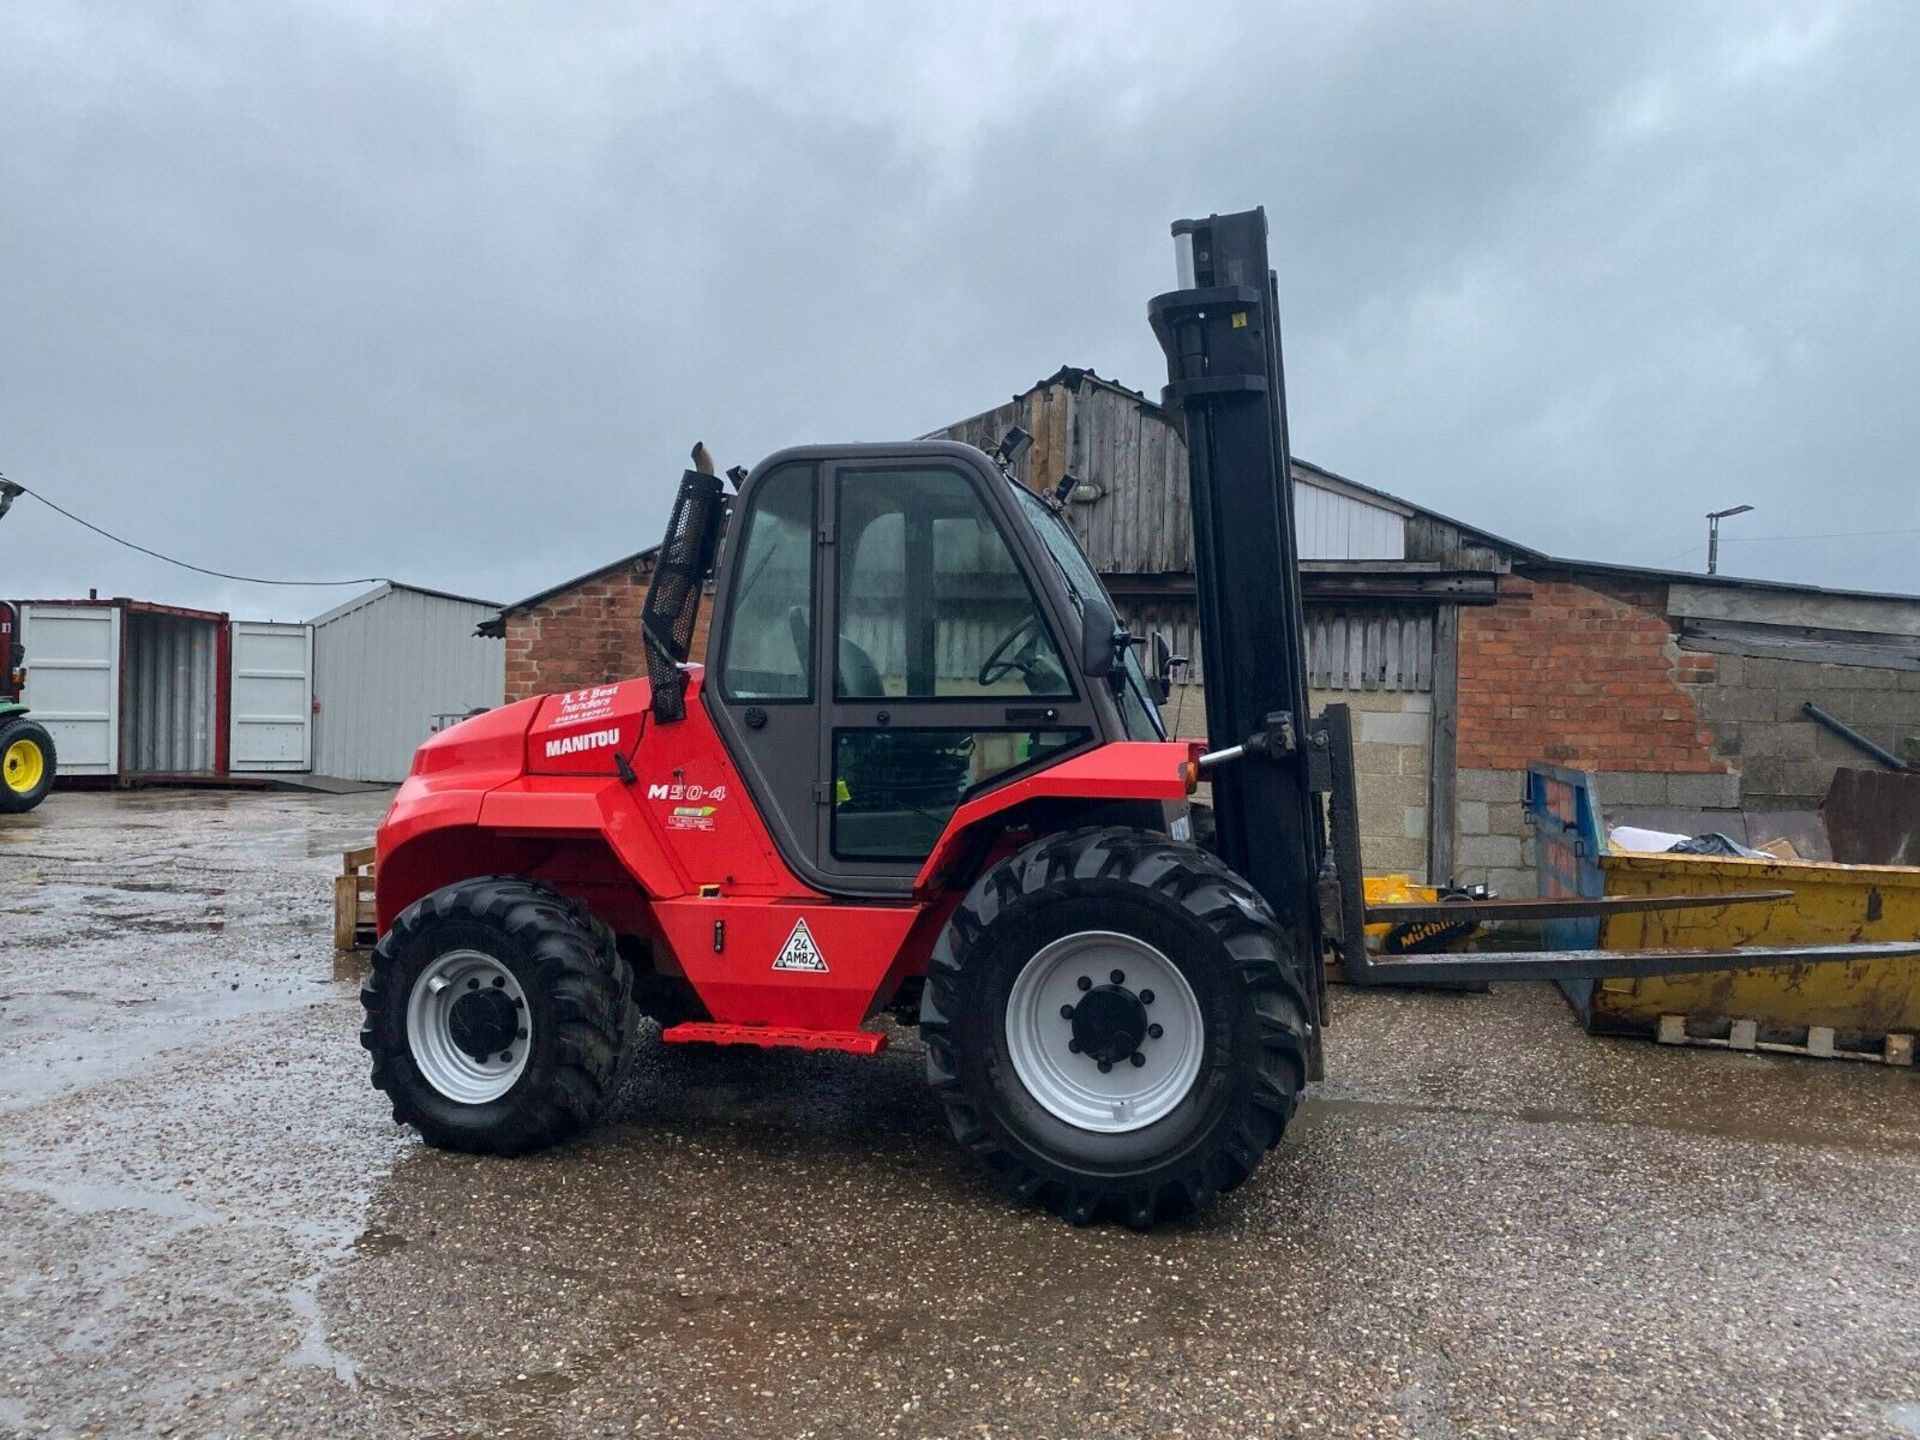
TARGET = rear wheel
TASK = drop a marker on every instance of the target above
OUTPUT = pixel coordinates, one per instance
(496, 1013)
(26, 765)
(1115, 1024)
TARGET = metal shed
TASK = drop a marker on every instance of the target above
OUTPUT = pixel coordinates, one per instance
(391, 667)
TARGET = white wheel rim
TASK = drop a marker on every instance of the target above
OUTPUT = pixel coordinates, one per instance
(462, 998)
(1069, 1084)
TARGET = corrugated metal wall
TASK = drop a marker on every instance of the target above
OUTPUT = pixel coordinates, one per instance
(385, 668)
(1349, 647)
(169, 694)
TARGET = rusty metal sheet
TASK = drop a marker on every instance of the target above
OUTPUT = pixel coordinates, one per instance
(1526, 908)
(1873, 817)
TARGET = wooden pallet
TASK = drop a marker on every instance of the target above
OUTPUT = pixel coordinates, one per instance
(353, 922)
(1818, 1042)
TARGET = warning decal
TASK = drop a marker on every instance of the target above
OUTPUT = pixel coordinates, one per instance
(800, 953)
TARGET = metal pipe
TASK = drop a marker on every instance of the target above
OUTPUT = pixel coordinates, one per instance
(1847, 732)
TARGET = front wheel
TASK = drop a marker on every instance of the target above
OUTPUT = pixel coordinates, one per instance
(496, 1013)
(26, 765)
(1115, 1023)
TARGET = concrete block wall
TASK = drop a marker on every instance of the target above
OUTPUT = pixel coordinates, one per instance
(1185, 713)
(1393, 765)
(1785, 759)
(1494, 846)
(1392, 761)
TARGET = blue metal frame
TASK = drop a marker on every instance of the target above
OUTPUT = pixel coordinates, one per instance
(1569, 837)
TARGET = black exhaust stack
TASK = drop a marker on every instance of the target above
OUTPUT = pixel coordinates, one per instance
(680, 570)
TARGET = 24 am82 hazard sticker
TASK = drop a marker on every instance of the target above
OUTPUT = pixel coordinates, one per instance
(800, 953)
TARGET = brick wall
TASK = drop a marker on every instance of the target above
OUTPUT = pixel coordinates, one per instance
(1582, 677)
(1590, 675)
(586, 635)
(1582, 674)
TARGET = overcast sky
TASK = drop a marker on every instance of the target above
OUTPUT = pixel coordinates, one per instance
(445, 292)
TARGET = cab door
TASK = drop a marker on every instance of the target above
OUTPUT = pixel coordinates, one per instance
(924, 665)
(947, 673)
(761, 689)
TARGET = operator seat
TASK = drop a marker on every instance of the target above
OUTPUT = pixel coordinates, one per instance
(859, 676)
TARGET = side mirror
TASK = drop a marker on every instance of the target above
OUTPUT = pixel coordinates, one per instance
(1097, 627)
(1162, 667)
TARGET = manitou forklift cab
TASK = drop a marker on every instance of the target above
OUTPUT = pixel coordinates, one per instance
(901, 628)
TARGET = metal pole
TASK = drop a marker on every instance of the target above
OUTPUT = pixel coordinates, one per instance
(1714, 517)
(1847, 732)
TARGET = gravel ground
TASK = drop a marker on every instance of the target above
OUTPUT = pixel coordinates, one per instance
(1486, 1224)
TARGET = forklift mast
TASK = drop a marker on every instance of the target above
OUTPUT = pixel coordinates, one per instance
(1221, 335)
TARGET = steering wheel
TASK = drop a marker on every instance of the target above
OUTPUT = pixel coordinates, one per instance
(1020, 640)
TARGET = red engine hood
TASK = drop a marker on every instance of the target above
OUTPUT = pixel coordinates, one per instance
(579, 732)
(452, 771)
(487, 744)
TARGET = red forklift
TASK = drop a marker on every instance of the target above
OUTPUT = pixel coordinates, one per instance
(923, 774)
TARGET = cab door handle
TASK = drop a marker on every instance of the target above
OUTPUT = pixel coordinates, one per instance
(1027, 714)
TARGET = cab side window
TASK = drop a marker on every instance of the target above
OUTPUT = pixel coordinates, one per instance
(933, 607)
(769, 651)
(931, 602)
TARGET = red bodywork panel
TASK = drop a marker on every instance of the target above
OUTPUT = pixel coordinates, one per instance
(1124, 770)
(681, 857)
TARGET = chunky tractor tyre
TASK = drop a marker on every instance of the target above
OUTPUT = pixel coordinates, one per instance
(26, 765)
(497, 1011)
(1115, 1024)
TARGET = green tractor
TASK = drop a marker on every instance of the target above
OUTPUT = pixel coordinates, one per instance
(26, 749)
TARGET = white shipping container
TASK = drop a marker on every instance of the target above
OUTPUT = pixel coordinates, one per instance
(134, 690)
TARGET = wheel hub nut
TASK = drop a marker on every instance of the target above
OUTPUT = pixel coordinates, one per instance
(1108, 1025)
(483, 1023)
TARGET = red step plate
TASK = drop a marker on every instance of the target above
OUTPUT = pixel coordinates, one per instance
(775, 1037)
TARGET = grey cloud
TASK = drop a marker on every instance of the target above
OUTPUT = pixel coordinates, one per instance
(447, 296)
